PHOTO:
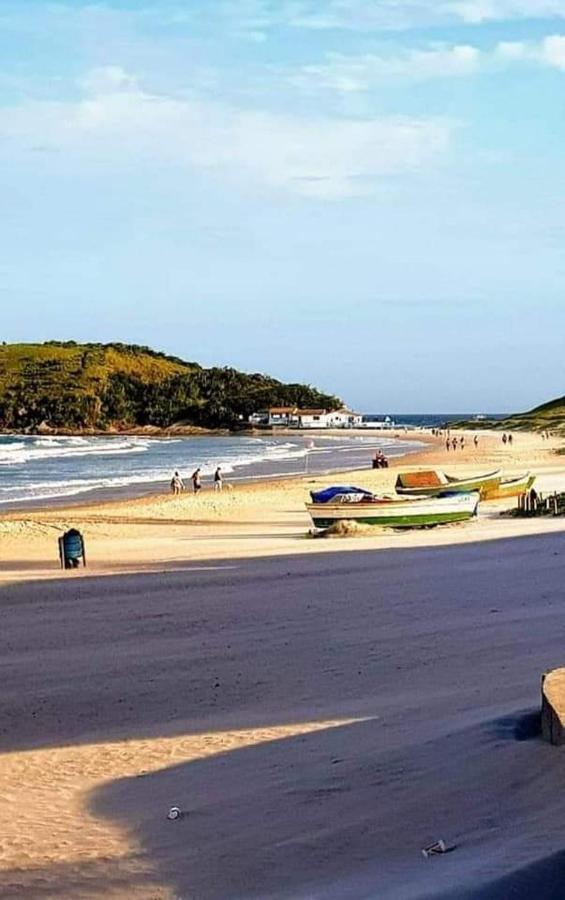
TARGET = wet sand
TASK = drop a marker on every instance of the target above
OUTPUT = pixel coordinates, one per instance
(259, 519)
(333, 451)
(319, 715)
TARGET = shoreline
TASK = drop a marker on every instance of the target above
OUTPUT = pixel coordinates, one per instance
(198, 430)
(211, 645)
(260, 517)
(194, 431)
(261, 471)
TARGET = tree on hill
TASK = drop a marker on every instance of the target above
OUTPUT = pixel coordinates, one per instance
(66, 385)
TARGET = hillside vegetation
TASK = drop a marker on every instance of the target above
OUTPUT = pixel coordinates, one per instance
(100, 387)
(547, 417)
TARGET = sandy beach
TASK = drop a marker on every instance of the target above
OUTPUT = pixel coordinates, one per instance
(320, 710)
(266, 518)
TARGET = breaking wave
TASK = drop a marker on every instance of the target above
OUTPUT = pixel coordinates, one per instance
(35, 468)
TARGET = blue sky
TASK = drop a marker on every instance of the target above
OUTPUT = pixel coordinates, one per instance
(367, 195)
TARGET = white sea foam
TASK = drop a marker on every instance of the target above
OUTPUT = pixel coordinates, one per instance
(20, 452)
(47, 467)
(66, 455)
(47, 490)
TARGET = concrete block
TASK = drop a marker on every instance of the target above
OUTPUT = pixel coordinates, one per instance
(553, 706)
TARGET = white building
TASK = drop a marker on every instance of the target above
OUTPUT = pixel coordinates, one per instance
(344, 418)
(378, 424)
(259, 418)
(310, 418)
(293, 417)
(281, 415)
(276, 415)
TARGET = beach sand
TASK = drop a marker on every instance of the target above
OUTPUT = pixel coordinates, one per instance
(320, 716)
(261, 518)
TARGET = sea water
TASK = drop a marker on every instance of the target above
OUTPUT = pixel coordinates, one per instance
(46, 468)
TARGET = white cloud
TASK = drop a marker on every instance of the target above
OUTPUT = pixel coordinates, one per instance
(107, 80)
(512, 51)
(478, 11)
(251, 20)
(404, 14)
(347, 74)
(116, 122)
(553, 51)
(549, 52)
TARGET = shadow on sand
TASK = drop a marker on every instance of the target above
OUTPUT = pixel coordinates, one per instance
(443, 648)
(71, 881)
(344, 812)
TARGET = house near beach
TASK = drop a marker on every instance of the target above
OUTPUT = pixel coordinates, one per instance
(294, 417)
(344, 418)
(310, 418)
(275, 415)
(281, 415)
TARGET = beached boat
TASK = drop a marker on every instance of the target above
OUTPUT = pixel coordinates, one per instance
(396, 512)
(433, 483)
(513, 487)
(337, 492)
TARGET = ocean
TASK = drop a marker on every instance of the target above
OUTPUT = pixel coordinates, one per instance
(46, 469)
(40, 469)
(432, 420)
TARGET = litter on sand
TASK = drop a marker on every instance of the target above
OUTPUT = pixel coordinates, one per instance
(439, 847)
(175, 813)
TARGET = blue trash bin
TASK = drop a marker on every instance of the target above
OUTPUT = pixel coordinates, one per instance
(71, 549)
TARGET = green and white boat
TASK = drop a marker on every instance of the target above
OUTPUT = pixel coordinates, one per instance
(396, 512)
(432, 483)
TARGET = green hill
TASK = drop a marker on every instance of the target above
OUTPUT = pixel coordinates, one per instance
(99, 387)
(547, 417)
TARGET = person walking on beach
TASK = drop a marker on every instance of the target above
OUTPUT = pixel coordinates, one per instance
(504, 438)
(177, 484)
(476, 441)
(196, 480)
(218, 479)
(448, 445)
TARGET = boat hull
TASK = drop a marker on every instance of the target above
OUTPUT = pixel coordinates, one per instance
(397, 513)
(486, 485)
(513, 487)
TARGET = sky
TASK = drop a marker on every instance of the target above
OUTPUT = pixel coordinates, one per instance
(364, 195)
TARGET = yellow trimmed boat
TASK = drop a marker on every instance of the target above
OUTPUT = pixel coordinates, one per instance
(513, 487)
(432, 483)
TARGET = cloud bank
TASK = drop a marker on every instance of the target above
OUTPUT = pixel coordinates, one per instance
(115, 121)
(353, 73)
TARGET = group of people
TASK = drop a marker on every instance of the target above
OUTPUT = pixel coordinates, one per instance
(177, 484)
(454, 443)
